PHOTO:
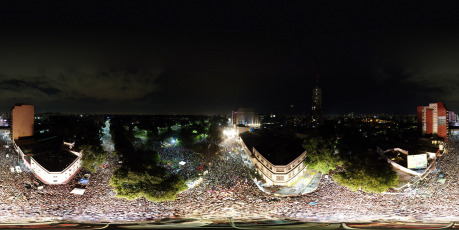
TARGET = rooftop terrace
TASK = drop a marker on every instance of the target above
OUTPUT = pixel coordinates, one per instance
(277, 148)
(48, 151)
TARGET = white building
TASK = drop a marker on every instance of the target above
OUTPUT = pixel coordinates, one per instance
(285, 173)
(50, 159)
(50, 165)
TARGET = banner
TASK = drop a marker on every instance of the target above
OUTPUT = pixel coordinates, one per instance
(417, 161)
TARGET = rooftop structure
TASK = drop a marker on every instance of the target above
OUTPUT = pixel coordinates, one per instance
(277, 148)
(278, 158)
(52, 161)
(49, 152)
(48, 157)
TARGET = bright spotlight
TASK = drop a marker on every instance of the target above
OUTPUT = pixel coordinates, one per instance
(230, 133)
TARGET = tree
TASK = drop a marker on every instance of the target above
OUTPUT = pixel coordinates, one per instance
(367, 175)
(320, 154)
(141, 174)
(93, 157)
(215, 134)
(151, 182)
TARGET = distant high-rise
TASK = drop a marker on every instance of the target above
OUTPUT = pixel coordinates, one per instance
(23, 119)
(316, 109)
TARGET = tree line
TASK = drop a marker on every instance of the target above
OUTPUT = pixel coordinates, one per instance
(141, 173)
(332, 146)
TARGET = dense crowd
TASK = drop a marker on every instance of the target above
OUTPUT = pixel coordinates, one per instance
(227, 190)
(172, 156)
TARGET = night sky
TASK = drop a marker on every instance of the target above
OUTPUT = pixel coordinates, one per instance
(210, 57)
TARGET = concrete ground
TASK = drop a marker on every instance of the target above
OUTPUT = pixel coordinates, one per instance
(306, 184)
(404, 178)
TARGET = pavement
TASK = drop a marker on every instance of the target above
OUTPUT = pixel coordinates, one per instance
(308, 183)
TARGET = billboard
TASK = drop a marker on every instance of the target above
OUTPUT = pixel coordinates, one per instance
(417, 161)
(442, 120)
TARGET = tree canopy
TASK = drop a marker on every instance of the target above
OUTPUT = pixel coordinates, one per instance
(329, 147)
(367, 175)
(141, 174)
(93, 157)
(151, 182)
(320, 154)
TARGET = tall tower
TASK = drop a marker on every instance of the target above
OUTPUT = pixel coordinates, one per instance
(316, 109)
(23, 118)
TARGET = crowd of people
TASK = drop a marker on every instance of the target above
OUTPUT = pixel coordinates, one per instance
(173, 155)
(227, 190)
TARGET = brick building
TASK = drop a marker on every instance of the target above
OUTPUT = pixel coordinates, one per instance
(433, 119)
(23, 119)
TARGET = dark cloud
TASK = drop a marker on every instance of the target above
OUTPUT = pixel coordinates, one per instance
(21, 86)
(209, 57)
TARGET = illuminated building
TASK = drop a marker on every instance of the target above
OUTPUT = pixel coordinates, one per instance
(23, 118)
(246, 117)
(316, 109)
(432, 119)
(453, 120)
(278, 160)
(48, 157)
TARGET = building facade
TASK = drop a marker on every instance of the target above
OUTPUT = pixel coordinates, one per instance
(246, 116)
(23, 119)
(282, 175)
(316, 108)
(24, 141)
(433, 119)
(47, 176)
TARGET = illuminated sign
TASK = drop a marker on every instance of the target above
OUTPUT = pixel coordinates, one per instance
(417, 161)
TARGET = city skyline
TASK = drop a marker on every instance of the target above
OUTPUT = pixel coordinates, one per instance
(209, 58)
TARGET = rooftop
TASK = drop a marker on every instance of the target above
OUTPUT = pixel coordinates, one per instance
(48, 151)
(277, 148)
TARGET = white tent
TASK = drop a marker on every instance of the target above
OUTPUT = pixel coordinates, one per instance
(18, 169)
(12, 169)
(78, 191)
